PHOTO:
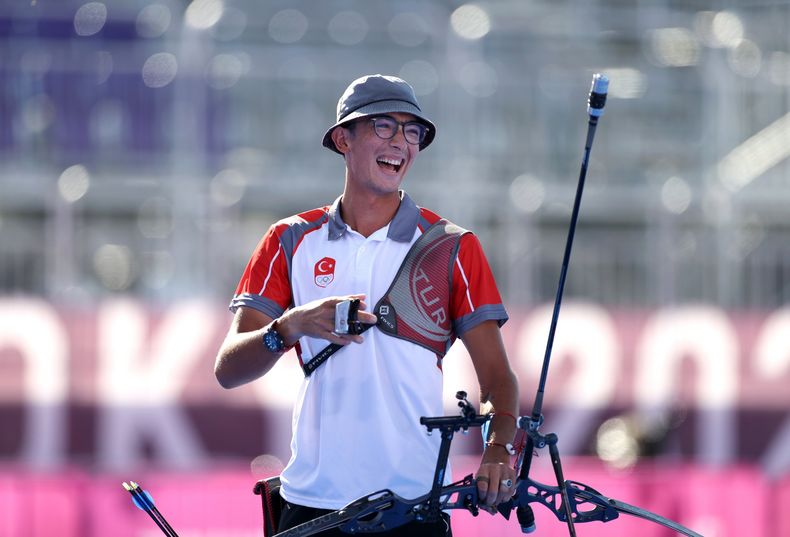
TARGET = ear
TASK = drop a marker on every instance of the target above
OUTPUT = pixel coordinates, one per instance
(341, 136)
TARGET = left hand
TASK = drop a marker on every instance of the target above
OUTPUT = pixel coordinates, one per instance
(493, 477)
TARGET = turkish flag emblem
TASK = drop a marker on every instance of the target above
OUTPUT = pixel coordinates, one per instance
(324, 272)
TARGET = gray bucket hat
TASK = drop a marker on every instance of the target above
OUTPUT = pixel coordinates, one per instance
(378, 94)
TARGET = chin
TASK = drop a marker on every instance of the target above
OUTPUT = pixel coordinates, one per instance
(386, 189)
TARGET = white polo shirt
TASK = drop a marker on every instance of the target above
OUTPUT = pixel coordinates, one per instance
(356, 427)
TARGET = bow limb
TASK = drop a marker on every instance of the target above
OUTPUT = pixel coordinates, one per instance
(371, 507)
(653, 517)
(586, 505)
(385, 510)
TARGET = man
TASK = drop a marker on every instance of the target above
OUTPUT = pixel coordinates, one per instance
(356, 423)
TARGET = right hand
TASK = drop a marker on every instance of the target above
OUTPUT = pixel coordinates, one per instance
(317, 319)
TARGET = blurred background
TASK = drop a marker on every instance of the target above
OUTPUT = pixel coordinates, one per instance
(147, 145)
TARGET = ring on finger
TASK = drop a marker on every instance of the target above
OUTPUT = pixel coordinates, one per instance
(483, 479)
(507, 483)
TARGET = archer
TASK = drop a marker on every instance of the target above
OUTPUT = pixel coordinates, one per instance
(356, 421)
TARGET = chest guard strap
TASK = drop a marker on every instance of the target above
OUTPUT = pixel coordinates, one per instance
(416, 307)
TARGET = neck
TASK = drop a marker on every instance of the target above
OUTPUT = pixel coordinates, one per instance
(366, 214)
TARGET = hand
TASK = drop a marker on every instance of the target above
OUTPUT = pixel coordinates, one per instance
(317, 319)
(496, 479)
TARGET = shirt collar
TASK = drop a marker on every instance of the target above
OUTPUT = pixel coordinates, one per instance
(401, 227)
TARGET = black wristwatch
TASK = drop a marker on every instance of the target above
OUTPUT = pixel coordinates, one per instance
(272, 339)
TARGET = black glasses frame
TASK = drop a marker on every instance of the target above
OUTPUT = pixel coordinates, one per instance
(403, 124)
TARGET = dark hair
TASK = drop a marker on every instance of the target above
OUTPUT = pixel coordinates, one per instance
(352, 125)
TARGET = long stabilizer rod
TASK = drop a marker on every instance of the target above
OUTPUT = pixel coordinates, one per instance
(595, 104)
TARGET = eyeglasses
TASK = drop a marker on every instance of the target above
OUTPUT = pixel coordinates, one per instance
(386, 128)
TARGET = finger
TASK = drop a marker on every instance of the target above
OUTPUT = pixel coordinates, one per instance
(338, 339)
(489, 494)
(505, 489)
(360, 297)
(367, 318)
(491, 510)
(329, 303)
(364, 316)
(512, 491)
(482, 488)
(491, 497)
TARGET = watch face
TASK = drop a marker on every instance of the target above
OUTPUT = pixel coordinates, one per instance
(273, 341)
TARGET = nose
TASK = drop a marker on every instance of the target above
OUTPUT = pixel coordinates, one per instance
(399, 139)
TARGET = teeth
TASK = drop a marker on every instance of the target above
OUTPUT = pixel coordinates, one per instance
(394, 162)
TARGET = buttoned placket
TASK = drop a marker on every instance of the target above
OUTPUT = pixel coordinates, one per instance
(364, 257)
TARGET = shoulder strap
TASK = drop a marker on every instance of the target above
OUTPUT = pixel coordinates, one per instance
(422, 255)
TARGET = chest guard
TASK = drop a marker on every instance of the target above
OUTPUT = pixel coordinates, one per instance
(416, 307)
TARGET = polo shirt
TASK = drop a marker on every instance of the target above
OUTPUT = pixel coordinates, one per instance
(355, 424)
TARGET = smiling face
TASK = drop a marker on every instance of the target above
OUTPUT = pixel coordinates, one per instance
(373, 164)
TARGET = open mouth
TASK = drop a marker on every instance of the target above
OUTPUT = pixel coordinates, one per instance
(393, 165)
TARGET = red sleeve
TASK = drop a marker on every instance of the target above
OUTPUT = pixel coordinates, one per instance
(475, 297)
(265, 285)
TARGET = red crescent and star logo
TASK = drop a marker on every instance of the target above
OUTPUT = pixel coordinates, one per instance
(324, 272)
